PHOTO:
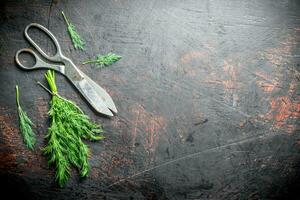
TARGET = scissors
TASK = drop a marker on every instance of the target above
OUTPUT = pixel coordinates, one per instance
(97, 97)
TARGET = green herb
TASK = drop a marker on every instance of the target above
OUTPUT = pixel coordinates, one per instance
(68, 126)
(104, 60)
(78, 42)
(25, 124)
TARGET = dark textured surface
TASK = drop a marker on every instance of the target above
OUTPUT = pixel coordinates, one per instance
(207, 93)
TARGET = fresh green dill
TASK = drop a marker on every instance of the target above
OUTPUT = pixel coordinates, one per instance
(28, 135)
(104, 60)
(77, 41)
(69, 125)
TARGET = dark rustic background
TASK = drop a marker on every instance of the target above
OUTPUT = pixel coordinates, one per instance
(207, 93)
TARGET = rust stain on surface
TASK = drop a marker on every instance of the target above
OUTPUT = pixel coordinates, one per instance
(231, 72)
(8, 161)
(282, 109)
(187, 57)
(266, 87)
(155, 125)
(266, 83)
(112, 163)
(292, 88)
(117, 79)
(42, 107)
(188, 68)
(277, 56)
(117, 161)
(11, 140)
(9, 131)
(119, 123)
(148, 125)
(231, 85)
(242, 123)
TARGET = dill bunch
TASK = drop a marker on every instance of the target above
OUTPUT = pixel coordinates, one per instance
(68, 126)
(29, 137)
(77, 41)
(104, 60)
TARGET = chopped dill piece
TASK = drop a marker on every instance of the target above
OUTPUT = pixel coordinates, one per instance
(29, 137)
(104, 60)
(77, 41)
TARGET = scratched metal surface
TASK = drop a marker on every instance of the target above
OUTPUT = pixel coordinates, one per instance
(207, 93)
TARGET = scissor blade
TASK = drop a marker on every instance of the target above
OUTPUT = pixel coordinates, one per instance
(91, 95)
(103, 94)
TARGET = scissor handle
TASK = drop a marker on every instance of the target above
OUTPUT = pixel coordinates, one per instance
(55, 58)
(39, 63)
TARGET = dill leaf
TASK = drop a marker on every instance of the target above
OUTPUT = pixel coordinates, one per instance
(69, 125)
(104, 60)
(29, 137)
(77, 41)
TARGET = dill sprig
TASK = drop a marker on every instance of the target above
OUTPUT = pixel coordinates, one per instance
(68, 126)
(104, 60)
(77, 41)
(28, 135)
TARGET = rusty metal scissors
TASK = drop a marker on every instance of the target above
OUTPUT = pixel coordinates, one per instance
(92, 92)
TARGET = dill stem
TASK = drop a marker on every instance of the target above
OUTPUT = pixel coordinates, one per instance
(68, 23)
(18, 96)
(89, 62)
(45, 88)
(54, 94)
